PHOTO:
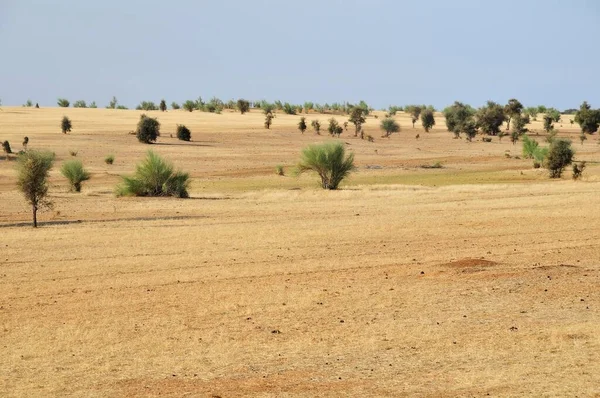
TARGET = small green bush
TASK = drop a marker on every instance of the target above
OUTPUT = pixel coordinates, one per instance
(66, 125)
(329, 160)
(578, 170)
(33, 168)
(79, 104)
(109, 159)
(316, 125)
(560, 155)
(529, 147)
(175, 105)
(183, 133)
(163, 105)
(390, 126)
(243, 105)
(72, 153)
(148, 129)
(63, 102)
(147, 106)
(279, 170)
(302, 125)
(155, 177)
(73, 171)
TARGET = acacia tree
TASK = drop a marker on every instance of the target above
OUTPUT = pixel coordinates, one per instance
(414, 111)
(469, 128)
(390, 126)
(456, 116)
(427, 119)
(243, 105)
(490, 118)
(189, 105)
(32, 169)
(163, 105)
(357, 118)
(512, 109)
(302, 125)
(587, 118)
(548, 123)
(66, 125)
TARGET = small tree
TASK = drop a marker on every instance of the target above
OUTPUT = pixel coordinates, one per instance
(269, 116)
(548, 123)
(490, 118)
(148, 129)
(66, 125)
(183, 133)
(63, 102)
(93, 105)
(6, 148)
(73, 171)
(28, 104)
(146, 106)
(289, 109)
(329, 160)
(243, 105)
(32, 169)
(357, 118)
(554, 114)
(456, 116)
(587, 118)
(578, 170)
(79, 104)
(560, 155)
(175, 105)
(302, 125)
(163, 105)
(520, 123)
(427, 119)
(512, 109)
(414, 111)
(469, 128)
(532, 112)
(332, 128)
(113, 103)
(189, 105)
(390, 126)
(316, 125)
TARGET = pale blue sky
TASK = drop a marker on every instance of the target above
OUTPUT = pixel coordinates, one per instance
(383, 51)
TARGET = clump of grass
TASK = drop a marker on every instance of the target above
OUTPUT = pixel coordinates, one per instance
(329, 160)
(73, 171)
(155, 177)
(279, 170)
(109, 159)
(73, 153)
(436, 165)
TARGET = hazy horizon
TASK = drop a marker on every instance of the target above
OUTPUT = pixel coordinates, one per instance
(383, 52)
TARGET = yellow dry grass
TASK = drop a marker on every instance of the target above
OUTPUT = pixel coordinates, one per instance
(479, 278)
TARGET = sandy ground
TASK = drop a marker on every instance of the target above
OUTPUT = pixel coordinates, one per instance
(477, 279)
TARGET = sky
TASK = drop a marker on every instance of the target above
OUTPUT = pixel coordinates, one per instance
(386, 52)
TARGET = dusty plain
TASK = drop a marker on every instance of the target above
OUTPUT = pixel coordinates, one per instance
(478, 279)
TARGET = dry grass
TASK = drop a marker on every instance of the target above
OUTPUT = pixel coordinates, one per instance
(471, 280)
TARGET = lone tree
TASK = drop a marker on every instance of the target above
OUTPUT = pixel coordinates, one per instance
(490, 118)
(189, 105)
(148, 129)
(559, 156)
(32, 169)
(163, 105)
(414, 111)
(183, 133)
(427, 119)
(269, 115)
(243, 105)
(587, 118)
(113, 103)
(316, 125)
(66, 125)
(329, 160)
(73, 171)
(512, 109)
(63, 102)
(520, 121)
(357, 118)
(456, 116)
(302, 125)
(390, 126)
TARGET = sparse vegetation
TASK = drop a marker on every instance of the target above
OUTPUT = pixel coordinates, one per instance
(530, 146)
(578, 170)
(147, 106)
(358, 118)
(469, 128)
(25, 142)
(316, 125)
(148, 129)
(183, 133)
(587, 118)
(279, 170)
(456, 116)
(65, 125)
(79, 104)
(163, 105)
(73, 153)
(390, 126)
(269, 115)
(112, 104)
(302, 125)
(155, 177)
(63, 102)
(6, 148)
(334, 128)
(109, 159)
(73, 171)
(329, 161)
(414, 111)
(32, 179)
(175, 105)
(560, 155)
(189, 105)
(93, 105)
(243, 106)
(512, 110)
(28, 104)
(427, 119)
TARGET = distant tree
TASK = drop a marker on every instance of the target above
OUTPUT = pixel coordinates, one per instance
(548, 123)
(329, 161)
(393, 109)
(63, 102)
(532, 112)
(189, 105)
(554, 114)
(308, 106)
(175, 105)
(427, 119)
(316, 125)
(79, 104)
(243, 105)
(37, 106)
(66, 125)
(28, 104)
(183, 133)
(121, 107)
(302, 125)
(163, 105)
(33, 168)
(456, 116)
(113, 103)
(147, 106)
(148, 129)
(390, 126)
(512, 109)
(582, 137)
(588, 118)
(269, 116)
(93, 105)
(6, 148)
(541, 109)
(414, 111)
(333, 127)
(357, 118)
(490, 118)
(520, 121)
(559, 156)
(289, 109)
(469, 128)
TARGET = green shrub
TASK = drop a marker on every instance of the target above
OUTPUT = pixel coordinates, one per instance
(28, 104)
(163, 105)
(560, 155)
(73, 153)
(329, 160)
(183, 133)
(469, 128)
(390, 126)
(427, 119)
(289, 109)
(33, 168)
(147, 106)
(302, 125)
(66, 125)
(189, 105)
(578, 170)
(109, 159)
(279, 170)
(93, 105)
(358, 116)
(79, 104)
(269, 115)
(529, 147)
(113, 103)
(155, 177)
(243, 105)
(490, 117)
(121, 107)
(316, 125)
(63, 102)
(73, 171)
(539, 155)
(148, 129)
(175, 105)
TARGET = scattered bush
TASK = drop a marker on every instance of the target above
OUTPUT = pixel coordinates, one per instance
(529, 147)
(121, 107)
(289, 109)
(370, 138)
(578, 170)
(25, 142)
(551, 136)
(358, 116)
(93, 105)
(456, 116)
(163, 105)
(109, 159)
(148, 129)
(427, 120)
(436, 165)
(73, 171)
(33, 168)
(175, 105)
(189, 105)
(548, 123)
(302, 125)
(66, 125)
(243, 106)
(316, 125)
(512, 109)
(28, 104)
(390, 126)
(155, 177)
(414, 111)
(183, 133)
(469, 128)
(334, 128)
(490, 118)
(588, 118)
(560, 155)
(63, 102)
(112, 104)
(79, 104)
(582, 137)
(147, 106)
(329, 161)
